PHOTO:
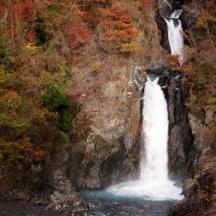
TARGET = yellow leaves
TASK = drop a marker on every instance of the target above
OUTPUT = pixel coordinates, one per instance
(10, 100)
(131, 47)
(31, 47)
(39, 155)
(204, 18)
(95, 65)
(14, 152)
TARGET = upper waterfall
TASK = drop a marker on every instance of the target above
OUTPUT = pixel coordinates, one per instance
(175, 35)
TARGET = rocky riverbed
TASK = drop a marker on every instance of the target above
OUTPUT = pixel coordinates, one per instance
(16, 208)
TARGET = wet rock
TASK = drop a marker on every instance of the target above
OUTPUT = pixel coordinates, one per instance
(64, 194)
(165, 8)
(107, 163)
(190, 187)
(20, 195)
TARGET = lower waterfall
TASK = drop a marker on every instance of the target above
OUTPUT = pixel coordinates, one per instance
(154, 156)
(153, 183)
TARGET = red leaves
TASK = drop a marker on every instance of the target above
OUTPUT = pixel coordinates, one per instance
(24, 11)
(146, 3)
(86, 16)
(211, 3)
(77, 33)
(2, 9)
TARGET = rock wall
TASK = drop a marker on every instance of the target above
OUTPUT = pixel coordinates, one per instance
(181, 150)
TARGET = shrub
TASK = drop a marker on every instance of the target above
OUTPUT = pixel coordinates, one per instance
(56, 99)
(65, 120)
(5, 54)
(41, 34)
(14, 152)
(10, 101)
(21, 125)
(53, 8)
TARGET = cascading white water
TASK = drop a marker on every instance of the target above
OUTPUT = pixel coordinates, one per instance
(154, 164)
(154, 183)
(175, 35)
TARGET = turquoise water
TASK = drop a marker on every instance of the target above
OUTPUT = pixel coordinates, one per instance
(106, 204)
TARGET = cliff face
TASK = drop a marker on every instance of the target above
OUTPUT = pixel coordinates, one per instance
(181, 146)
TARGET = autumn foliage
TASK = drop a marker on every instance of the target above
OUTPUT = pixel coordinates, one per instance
(77, 33)
(24, 10)
(116, 25)
(146, 3)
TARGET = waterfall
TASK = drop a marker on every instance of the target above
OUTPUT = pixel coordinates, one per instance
(154, 164)
(175, 35)
(154, 183)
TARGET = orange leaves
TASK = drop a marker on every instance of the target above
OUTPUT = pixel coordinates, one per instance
(123, 35)
(117, 12)
(172, 62)
(77, 33)
(39, 155)
(116, 25)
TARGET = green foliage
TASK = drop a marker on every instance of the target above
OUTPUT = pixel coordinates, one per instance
(5, 54)
(10, 80)
(65, 120)
(56, 99)
(62, 140)
(42, 35)
(202, 75)
(53, 8)
(17, 124)
(10, 101)
(15, 151)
